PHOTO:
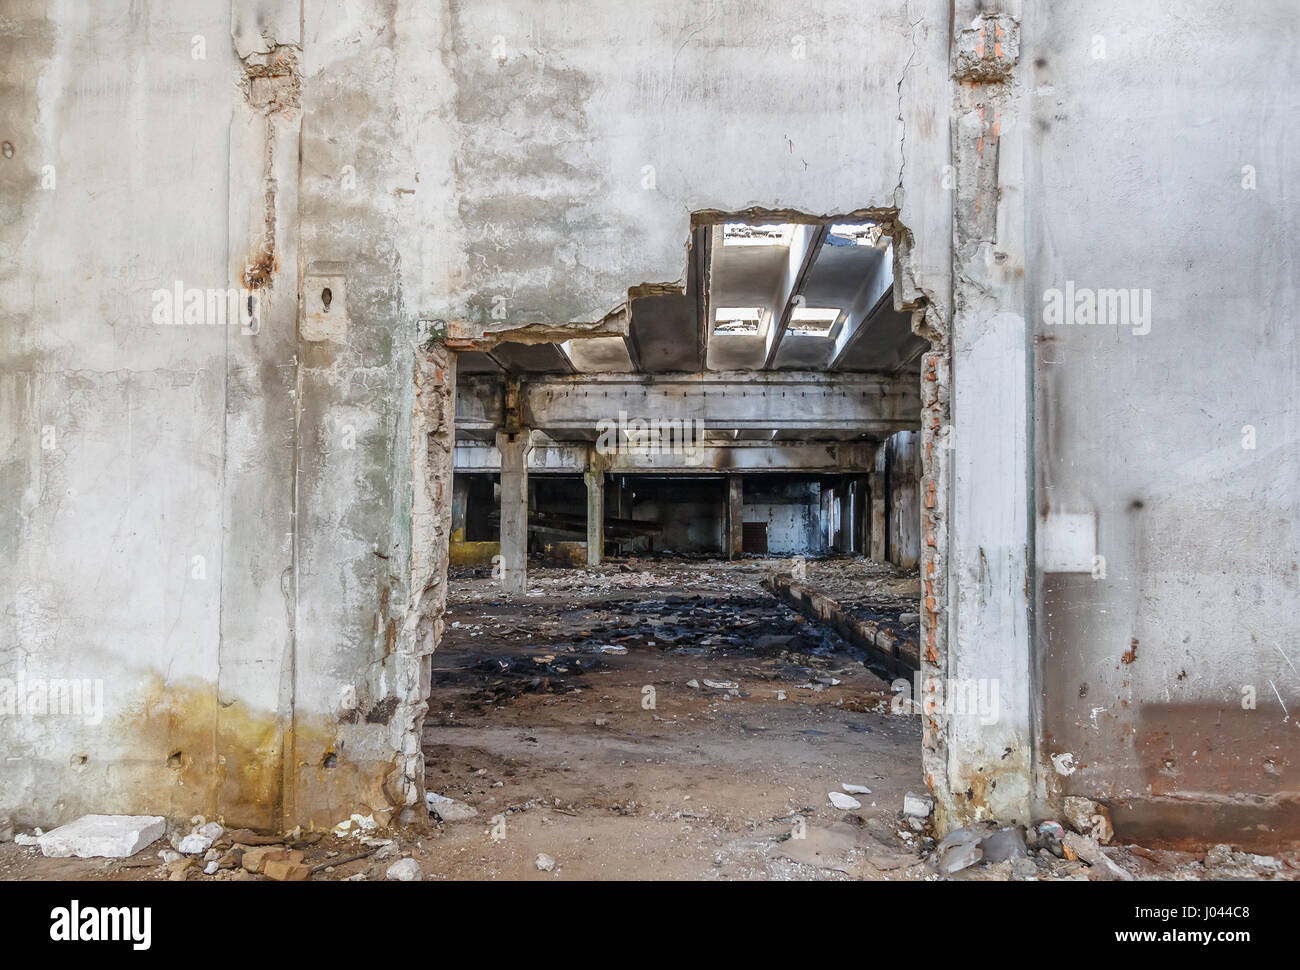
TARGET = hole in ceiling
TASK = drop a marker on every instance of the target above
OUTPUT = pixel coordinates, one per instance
(740, 234)
(730, 320)
(854, 234)
(814, 321)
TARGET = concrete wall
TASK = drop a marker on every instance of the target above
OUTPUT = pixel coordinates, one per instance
(1169, 455)
(898, 470)
(125, 441)
(792, 510)
(242, 535)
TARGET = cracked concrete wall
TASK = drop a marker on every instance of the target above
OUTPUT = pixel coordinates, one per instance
(589, 135)
(239, 529)
(494, 164)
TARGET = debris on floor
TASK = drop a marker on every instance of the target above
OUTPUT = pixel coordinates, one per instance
(106, 836)
(728, 737)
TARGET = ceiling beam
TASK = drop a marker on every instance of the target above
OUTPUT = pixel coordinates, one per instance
(805, 244)
(873, 302)
(570, 459)
(701, 249)
(567, 408)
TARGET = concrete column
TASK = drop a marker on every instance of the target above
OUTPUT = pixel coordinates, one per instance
(514, 450)
(845, 538)
(876, 530)
(861, 517)
(459, 505)
(735, 517)
(989, 763)
(595, 516)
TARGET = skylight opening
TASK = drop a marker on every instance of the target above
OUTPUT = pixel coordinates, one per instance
(732, 320)
(854, 234)
(741, 234)
(814, 321)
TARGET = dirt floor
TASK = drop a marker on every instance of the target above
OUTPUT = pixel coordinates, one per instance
(662, 719)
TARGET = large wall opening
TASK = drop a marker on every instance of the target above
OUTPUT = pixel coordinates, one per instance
(684, 561)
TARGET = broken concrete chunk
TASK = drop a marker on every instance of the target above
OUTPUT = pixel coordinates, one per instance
(194, 844)
(960, 848)
(958, 856)
(356, 825)
(917, 806)
(721, 684)
(405, 870)
(1005, 843)
(1023, 867)
(1228, 863)
(103, 836)
(544, 862)
(6, 829)
(1089, 851)
(1079, 812)
(448, 809)
(855, 789)
(843, 801)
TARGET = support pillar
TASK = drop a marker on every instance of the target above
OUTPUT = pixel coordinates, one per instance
(861, 529)
(514, 450)
(845, 538)
(595, 515)
(735, 517)
(876, 550)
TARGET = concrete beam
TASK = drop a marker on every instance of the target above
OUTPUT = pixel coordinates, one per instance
(569, 459)
(702, 245)
(873, 302)
(570, 408)
(805, 244)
